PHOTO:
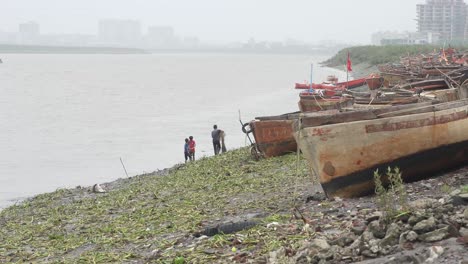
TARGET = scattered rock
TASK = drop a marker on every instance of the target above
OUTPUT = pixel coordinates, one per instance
(378, 228)
(412, 236)
(415, 218)
(344, 240)
(316, 197)
(434, 253)
(375, 216)
(423, 203)
(435, 235)
(425, 226)
(98, 189)
(320, 244)
(391, 237)
(455, 192)
(358, 230)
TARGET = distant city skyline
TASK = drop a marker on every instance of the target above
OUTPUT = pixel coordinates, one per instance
(222, 22)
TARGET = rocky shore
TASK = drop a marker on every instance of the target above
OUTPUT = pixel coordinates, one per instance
(232, 209)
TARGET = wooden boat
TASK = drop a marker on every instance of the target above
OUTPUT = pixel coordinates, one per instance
(353, 83)
(314, 103)
(374, 82)
(273, 134)
(331, 86)
(387, 100)
(430, 84)
(327, 86)
(345, 149)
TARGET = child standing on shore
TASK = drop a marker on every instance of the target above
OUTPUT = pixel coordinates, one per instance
(192, 145)
(186, 150)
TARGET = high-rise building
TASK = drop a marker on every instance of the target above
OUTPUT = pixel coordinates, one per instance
(447, 18)
(29, 29)
(28, 33)
(161, 37)
(118, 32)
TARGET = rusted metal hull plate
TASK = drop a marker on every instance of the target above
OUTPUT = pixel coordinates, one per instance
(346, 155)
(274, 137)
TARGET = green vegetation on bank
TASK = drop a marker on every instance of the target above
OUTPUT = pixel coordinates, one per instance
(151, 213)
(4, 48)
(374, 55)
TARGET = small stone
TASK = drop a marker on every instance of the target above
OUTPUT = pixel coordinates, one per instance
(435, 235)
(377, 228)
(320, 244)
(434, 253)
(98, 189)
(464, 232)
(375, 216)
(273, 225)
(358, 230)
(337, 199)
(415, 218)
(423, 203)
(391, 237)
(412, 236)
(427, 185)
(455, 192)
(425, 226)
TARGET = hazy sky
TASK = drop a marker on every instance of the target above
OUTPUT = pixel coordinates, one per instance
(222, 20)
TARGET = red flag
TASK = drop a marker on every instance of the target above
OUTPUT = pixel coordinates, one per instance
(348, 64)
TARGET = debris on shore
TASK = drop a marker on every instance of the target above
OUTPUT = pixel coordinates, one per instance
(232, 209)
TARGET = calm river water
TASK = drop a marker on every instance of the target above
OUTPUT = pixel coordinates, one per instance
(68, 119)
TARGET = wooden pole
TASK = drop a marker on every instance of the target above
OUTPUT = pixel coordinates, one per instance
(124, 167)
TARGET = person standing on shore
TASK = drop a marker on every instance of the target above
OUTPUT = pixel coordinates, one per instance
(223, 146)
(192, 146)
(215, 135)
(186, 150)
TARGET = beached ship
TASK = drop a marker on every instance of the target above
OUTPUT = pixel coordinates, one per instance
(374, 81)
(312, 102)
(274, 134)
(345, 149)
(333, 85)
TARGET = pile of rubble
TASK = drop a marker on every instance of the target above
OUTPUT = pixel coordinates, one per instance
(435, 227)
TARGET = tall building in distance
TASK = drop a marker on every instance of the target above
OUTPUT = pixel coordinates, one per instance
(161, 37)
(28, 33)
(119, 33)
(445, 18)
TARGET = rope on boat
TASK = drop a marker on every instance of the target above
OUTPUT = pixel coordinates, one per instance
(321, 108)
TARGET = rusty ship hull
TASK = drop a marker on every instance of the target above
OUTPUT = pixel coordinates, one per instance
(274, 137)
(420, 141)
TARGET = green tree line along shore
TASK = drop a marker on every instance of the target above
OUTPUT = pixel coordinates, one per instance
(374, 55)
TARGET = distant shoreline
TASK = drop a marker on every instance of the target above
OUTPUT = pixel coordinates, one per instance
(42, 49)
(38, 49)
